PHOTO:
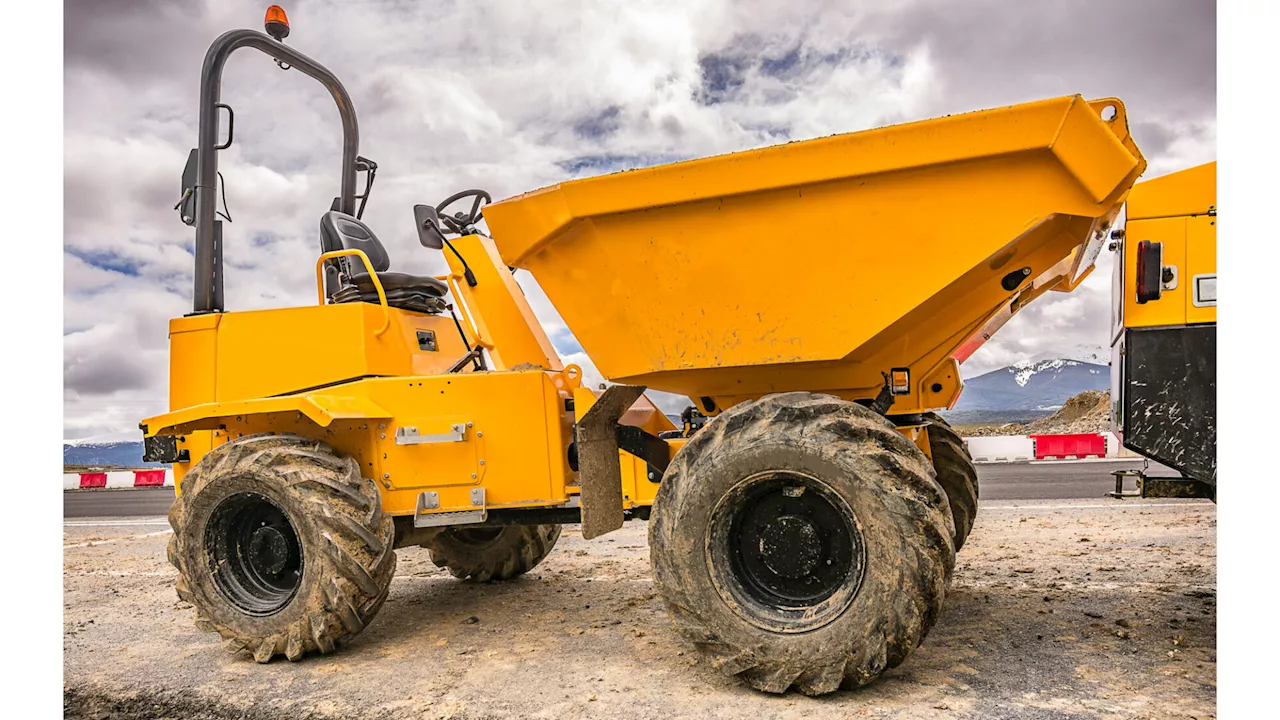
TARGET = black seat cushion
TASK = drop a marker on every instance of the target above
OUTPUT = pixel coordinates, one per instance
(401, 298)
(400, 281)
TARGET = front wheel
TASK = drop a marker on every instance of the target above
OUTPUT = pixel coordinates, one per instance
(281, 546)
(802, 540)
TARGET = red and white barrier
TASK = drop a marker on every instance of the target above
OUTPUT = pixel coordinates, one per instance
(1023, 448)
(1069, 447)
(154, 477)
(1001, 448)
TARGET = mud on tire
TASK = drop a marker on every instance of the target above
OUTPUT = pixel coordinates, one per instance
(281, 546)
(871, 495)
(485, 554)
(956, 474)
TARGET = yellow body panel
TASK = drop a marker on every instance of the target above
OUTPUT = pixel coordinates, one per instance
(497, 309)
(225, 357)
(689, 278)
(515, 445)
(1178, 210)
(261, 353)
(1193, 191)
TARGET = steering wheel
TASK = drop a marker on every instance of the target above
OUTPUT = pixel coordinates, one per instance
(461, 223)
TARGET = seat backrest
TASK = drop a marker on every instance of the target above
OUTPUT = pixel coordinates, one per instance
(340, 231)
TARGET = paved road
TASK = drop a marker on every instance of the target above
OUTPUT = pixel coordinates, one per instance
(1060, 480)
(116, 503)
(1057, 479)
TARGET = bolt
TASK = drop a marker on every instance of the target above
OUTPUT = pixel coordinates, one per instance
(382, 426)
(473, 476)
(479, 434)
(468, 424)
(383, 436)
(386, 476)
(481, 462)
(186, 218)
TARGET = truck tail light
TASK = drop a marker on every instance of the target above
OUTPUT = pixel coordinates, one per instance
(1150, 266)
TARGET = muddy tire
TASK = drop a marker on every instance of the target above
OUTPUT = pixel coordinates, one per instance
(801, 540)
(281, 546)
(486, 554)
(956, 474)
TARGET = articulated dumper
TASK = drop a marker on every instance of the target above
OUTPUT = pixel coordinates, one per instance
(812, 300)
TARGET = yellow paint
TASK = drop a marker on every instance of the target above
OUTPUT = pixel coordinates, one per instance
(499, 316)
(1193, 191)
(515, 447)
(1173, 210)
(689, 278)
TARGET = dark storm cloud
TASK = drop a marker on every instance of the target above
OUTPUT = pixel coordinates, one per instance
(600, 125)
(104, 370)
(1157, 55)
(134, 39)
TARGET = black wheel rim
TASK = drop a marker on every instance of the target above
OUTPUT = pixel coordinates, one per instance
(254, 554)
(786, 551)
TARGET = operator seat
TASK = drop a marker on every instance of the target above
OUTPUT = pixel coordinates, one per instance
(349, 281)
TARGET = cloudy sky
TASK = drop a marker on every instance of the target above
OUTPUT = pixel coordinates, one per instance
(513, 95)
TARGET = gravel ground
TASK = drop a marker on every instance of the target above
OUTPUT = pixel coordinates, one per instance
(1079, 609)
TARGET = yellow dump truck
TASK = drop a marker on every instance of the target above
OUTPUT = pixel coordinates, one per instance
(812, 300)
(1164, 398)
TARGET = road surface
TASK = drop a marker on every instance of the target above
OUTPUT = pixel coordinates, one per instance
(1092, 609)
(1057, 479)
(1048, 480)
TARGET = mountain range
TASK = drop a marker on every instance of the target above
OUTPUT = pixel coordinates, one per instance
(105, 454)
(1026, 391)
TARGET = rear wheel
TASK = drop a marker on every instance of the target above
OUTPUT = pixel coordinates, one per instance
(281, 546)
(484, 554)
(801, 540)
(956, 474)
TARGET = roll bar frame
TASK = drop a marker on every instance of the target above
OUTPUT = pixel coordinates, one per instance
(207, 296)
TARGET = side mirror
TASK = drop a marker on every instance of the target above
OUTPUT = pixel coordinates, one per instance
(428, 222)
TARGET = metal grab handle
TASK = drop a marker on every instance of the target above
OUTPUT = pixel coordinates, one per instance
(231, 126)
(377, 284)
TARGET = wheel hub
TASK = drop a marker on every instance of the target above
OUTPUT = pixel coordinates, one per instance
(254, 553)
(268, 549)
(790, 546)
(791, 551)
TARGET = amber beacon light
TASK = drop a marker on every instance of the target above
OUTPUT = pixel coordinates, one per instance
(277, 23)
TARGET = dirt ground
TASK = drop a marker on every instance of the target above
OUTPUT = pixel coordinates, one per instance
(1059, 609)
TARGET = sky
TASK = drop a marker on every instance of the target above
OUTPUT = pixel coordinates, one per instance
(511, 96)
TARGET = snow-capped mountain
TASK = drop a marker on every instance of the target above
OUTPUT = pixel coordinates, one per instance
(1032, 385)
(104, 454)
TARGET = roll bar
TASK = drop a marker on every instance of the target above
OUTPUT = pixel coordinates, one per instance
(208, 249)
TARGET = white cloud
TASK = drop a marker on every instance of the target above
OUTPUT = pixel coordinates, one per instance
(512, 96)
